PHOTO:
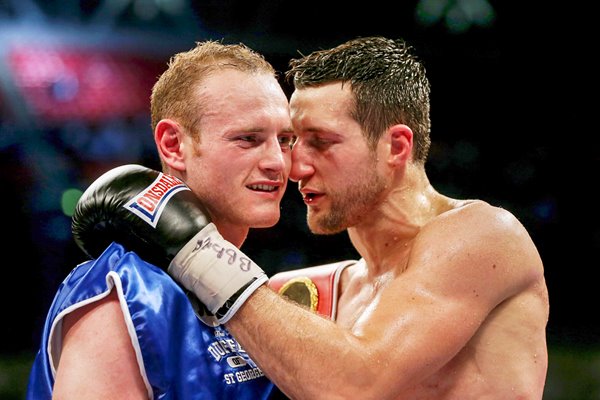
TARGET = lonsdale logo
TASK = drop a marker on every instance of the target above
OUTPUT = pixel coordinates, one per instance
(150, 202)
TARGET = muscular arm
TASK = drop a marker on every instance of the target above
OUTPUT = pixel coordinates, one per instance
(97, 359)
(459, 270)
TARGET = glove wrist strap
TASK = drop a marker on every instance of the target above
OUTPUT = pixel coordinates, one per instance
(217, 272)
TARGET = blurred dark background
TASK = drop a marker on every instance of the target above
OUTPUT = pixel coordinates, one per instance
(508, 113)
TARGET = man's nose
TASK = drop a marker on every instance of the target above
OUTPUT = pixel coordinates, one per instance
(274, 158)
(301, 163)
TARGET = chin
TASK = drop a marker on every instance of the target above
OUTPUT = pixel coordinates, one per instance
(264, 221)
(324, 226)
(315, 227)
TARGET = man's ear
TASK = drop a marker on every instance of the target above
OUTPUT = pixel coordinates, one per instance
(168, 137)
(401, 144)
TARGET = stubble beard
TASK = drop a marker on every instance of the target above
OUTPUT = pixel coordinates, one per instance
(348, 206)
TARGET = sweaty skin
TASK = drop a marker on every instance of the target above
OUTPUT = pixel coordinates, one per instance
(449, 300)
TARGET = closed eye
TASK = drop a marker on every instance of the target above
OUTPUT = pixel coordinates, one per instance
(320, 142)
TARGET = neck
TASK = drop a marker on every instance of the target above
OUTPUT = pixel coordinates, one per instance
(405, 208)
(231, 232)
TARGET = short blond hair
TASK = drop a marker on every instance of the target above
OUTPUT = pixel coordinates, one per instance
(173, 94)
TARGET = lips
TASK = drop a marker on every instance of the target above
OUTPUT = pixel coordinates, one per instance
(310, 197)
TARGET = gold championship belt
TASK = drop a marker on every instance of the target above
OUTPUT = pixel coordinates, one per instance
(314, 287)
(302, 290)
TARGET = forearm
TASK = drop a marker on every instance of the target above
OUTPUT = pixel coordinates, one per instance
(304, 354)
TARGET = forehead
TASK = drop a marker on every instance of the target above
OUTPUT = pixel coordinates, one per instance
(230, 84)
(329, 98)
(329, 104)
(230, 95)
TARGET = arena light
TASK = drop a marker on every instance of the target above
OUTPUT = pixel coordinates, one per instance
(457, 15)
(69, 200)
(60, 83)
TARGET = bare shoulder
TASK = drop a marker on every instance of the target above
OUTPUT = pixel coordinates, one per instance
(99, 324)
(479, 219)
(95, 336)
(487, 269)
(481, 211)
(99, 314)
(479, 239)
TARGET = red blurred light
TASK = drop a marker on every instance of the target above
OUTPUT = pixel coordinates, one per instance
(59, 84)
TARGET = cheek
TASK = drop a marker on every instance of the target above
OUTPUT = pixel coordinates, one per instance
(203, 173)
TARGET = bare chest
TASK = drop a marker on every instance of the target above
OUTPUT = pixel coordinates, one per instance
(355, 302)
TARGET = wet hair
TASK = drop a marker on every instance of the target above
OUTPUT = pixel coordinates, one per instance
(387, 80)
(175, 95)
